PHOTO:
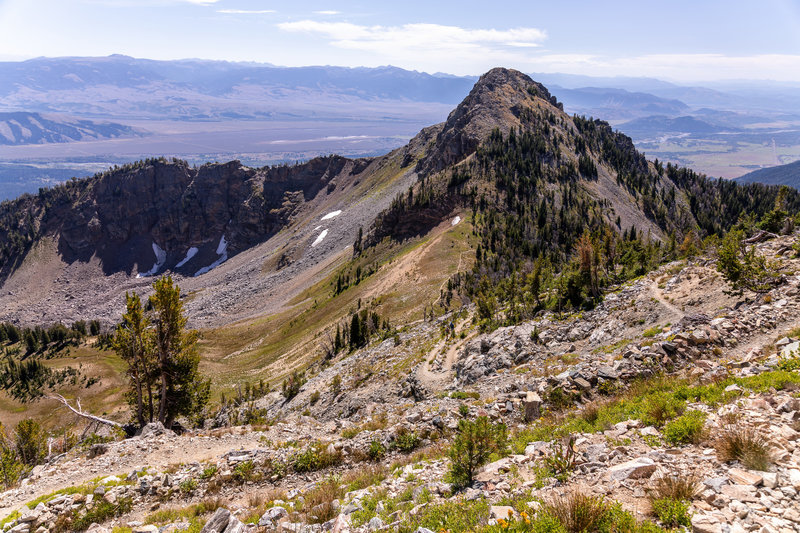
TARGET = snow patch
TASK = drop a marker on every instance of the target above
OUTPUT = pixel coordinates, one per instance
(222, 247)
(332, 214)
(222, 252)
(455, 221)
(191, 252)
(161, 258)
(315, 229)
(319, 238)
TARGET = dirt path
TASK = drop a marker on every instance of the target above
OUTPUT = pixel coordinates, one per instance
(437, 379)
(658, 295)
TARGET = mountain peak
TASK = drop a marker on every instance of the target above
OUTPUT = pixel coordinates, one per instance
(496, 101)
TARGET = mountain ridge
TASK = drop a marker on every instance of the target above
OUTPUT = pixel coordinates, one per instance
(507, 146)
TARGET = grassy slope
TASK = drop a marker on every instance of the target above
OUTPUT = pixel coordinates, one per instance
(409, 277)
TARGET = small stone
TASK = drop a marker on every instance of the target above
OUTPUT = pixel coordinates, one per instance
(375, 523)
(145, 529)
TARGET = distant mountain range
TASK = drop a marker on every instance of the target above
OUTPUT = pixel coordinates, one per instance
(788, 174)
(59, 113)
(121, 86)
(33, 128)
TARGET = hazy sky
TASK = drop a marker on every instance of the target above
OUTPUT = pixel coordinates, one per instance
(683, 40)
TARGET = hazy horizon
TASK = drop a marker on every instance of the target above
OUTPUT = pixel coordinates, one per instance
(685, 43)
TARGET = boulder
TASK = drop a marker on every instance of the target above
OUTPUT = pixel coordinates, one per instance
(496, 512)
(642, 467)
(531, 406)
(97, 449)
(218, 522)
(705, 524)
(744, 477)
(272, 516)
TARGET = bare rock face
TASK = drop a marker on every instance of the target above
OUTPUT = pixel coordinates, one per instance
(121, 215)
(498, 100)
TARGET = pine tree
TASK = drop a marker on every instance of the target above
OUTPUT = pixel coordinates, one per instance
(183, 391)
(133, 342)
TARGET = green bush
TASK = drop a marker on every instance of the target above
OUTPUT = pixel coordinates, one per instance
(315, 457)
(561, 460)
(244, 471)
(406, 441)
(30, 442)
(11, 469)
(686, 429)
(472, 447)
(208, 472)
(376, 450)
(99, 513)
(188, 485)
(672, 513)
(292, 384)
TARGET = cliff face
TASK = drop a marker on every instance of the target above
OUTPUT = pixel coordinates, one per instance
(120, 214)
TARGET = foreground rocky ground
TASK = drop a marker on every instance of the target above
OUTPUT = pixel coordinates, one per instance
(654, 384)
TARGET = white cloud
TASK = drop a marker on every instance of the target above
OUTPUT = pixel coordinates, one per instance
(327, 12)
(439, 48)
(427, 42)
(245, 11)
(201, 2)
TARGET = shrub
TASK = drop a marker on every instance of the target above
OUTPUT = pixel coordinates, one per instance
(208, 472)
(578, 512)
(472, 447)
(11, 469)
(675, 487)
(688, 428)
(30, 442)
(561, 459)
(406, 441)
(651, 332)
(319, 500)
(99, 513)
(244, 471)
(336, 385)
(662, 407)
(314, 397)
(315, 457)
(672, 513)
(292, 384)
(746, 445)
(376, 450)
(188, 485)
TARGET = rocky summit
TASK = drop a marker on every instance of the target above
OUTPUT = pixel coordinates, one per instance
(514, 323)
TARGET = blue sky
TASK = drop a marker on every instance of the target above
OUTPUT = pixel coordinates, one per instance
(677, 40)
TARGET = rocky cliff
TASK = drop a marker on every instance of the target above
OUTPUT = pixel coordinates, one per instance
(123, 215)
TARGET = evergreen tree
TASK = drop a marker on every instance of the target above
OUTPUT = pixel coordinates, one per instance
(133, 342)
(183, 391)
